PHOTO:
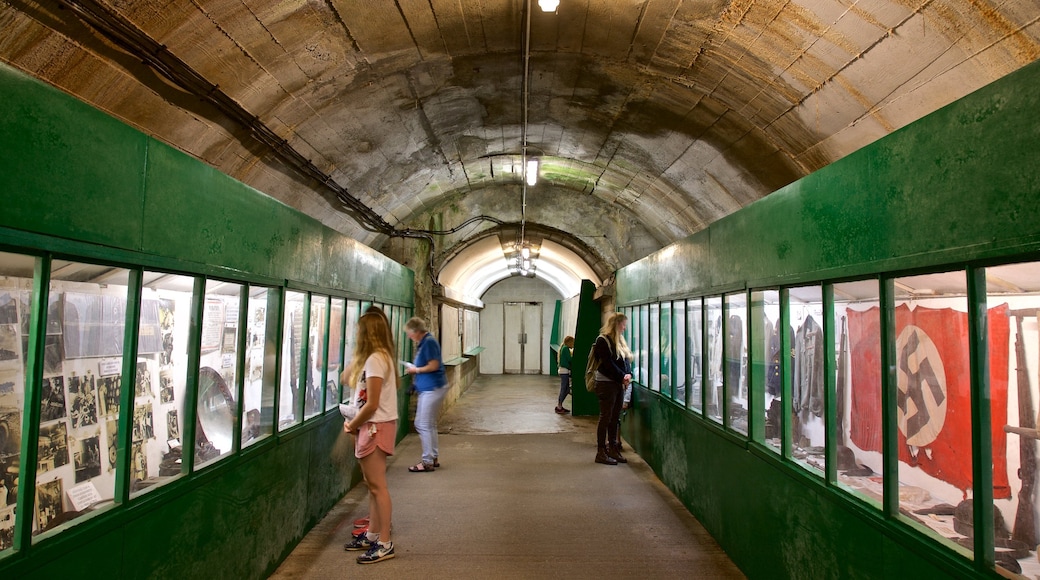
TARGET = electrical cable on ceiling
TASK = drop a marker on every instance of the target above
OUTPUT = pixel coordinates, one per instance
(131, 39)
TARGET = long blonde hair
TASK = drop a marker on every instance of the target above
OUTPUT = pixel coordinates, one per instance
(373, 337)
(613, 334)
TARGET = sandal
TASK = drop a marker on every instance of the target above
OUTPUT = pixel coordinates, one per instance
(436, 463)
(421, 467)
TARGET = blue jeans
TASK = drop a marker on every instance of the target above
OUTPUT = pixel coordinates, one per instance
(565, 388)
(426, 410)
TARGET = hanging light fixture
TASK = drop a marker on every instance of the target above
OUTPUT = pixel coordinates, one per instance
(548, 5)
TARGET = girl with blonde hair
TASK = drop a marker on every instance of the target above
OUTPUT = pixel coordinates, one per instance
(373, 370)
(612, 377)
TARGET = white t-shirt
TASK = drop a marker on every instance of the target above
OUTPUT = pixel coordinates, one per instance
(378, 365)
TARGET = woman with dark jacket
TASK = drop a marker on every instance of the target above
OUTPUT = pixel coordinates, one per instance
(613, 375)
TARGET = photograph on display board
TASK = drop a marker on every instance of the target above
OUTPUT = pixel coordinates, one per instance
(87, 458)
(143, 426)
(166, 386)
(138, 462)
(48, 503)
(173, 430)
(83, 401)
(9, 345)
(112, 435)
(166, 311)
(52, 399)
(108, 395)
(53, 446)
(6, 527)
(10, 448)
(143, 382)
(52, 355)
(9, 307)
(10, 379)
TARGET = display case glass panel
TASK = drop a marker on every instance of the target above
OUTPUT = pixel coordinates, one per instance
(334, 359)
(635, 345)
(258, 390)
(735, 354)
(765, 350)
(644, 344)
(79, 404)
(695, 352)
(160, 382)
(16, 308)
(857, 347)
(680, 378)
(805, 311)
(352, 314)
(1013, 291)
(713, 397)
(934, 402)
(653, 368)
(292, 359)
(217, 400)
(314, 380)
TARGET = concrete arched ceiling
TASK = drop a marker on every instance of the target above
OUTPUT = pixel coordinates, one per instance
(652, 118)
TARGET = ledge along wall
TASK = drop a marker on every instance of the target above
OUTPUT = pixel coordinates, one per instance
(960, 185)
(78, 184)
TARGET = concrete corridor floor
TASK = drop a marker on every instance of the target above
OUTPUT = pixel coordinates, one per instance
(518, 496)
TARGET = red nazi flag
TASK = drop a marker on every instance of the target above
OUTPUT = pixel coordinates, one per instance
(933, 396)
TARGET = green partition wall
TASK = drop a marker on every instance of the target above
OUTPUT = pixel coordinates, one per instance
(958, 189)
(78, 185)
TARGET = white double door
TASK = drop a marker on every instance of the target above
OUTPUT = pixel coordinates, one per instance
(522, 326)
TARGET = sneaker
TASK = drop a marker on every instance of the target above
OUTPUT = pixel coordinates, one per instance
(377, 553)
(359, 543)
(562, 410)
(361, 522)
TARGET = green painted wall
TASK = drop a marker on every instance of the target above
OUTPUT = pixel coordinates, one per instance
(76, 182)
(958, 186)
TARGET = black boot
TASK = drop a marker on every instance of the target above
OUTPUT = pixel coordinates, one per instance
(602, 457)
(614, 452)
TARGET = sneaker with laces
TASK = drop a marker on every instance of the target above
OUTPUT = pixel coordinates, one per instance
(359, 543)
(377, 553)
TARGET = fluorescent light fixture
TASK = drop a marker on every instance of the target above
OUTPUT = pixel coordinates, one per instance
(548, 5)
(532, 171)
(525, 252)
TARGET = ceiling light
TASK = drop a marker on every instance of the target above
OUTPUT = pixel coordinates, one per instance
(532, 171)
(525, 252)
(548, 5)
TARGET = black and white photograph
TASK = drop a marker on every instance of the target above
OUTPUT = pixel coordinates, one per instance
(166, 309)
(86, 458)
(52, 399)
(10, 388)
(143, 426)
(143, 382)
(173, 429)
(10, 450)
(6, 527)
(112, 436)
(53, 446)
(48, 503)
(8, 307)
(166, 386)
(108, 395)
(138, 463)
(52, 355)
(82, 400)
(10, 344)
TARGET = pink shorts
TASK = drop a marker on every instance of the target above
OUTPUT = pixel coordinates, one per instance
(384, 436)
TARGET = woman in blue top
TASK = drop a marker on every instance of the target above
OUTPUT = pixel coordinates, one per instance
(429, 381)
